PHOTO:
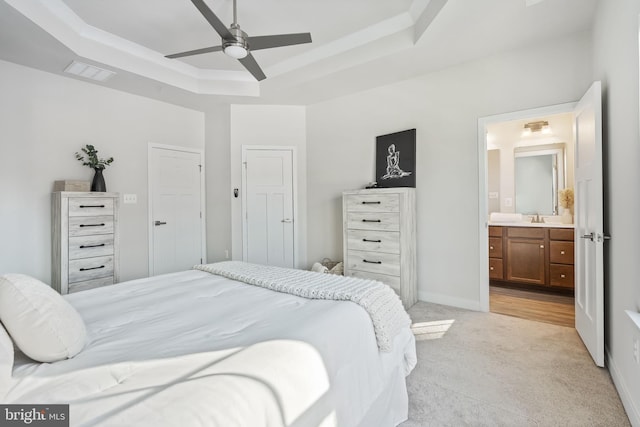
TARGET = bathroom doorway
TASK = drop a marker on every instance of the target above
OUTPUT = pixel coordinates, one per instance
(528, 214)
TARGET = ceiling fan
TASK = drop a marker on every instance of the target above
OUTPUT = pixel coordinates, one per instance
(237, 44)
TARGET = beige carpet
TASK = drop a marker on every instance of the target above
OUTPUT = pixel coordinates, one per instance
(487, 369)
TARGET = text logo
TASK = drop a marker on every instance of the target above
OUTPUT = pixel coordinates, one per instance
(34, 415)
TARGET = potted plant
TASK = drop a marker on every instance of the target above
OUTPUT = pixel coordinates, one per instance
(90, 158)
(565, 198)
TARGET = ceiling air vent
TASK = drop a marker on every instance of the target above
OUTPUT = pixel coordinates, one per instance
(89, 71)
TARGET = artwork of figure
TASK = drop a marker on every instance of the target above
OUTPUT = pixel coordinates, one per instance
(393, 164)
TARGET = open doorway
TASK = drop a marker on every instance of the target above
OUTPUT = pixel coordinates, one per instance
(528, 213)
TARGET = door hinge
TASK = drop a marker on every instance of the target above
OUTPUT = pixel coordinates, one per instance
(200, 260)
(200, 167)
(200, 215)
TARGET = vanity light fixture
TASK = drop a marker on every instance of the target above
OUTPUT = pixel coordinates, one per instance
(541, 126)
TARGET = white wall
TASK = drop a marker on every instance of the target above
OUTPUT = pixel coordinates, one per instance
(276, 126)
(444, 107)
(615, 62)
(44, 120)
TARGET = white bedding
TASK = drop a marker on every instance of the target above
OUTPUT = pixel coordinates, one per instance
(195, 349)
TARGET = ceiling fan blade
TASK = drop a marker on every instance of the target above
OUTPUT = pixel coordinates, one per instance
(195, 52)
(278, 40)
(252, 66)
(212, 19)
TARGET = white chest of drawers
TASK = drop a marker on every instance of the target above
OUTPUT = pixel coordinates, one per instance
(379, 238)
(85, 240)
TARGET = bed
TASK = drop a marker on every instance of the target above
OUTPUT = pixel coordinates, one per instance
(199, 349)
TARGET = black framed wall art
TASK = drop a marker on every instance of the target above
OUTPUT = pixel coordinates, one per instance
(396, 159)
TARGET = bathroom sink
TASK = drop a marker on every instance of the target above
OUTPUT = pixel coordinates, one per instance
(553, 219)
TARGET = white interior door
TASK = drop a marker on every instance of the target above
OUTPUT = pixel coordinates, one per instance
(176, 228)
(268, 207)
(589, 284)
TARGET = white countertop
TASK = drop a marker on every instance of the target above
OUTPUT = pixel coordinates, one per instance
(531, 224)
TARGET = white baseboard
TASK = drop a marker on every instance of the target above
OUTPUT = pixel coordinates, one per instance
(629, 405)
(449, 300)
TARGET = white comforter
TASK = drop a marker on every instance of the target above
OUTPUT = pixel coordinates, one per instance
(195, 349)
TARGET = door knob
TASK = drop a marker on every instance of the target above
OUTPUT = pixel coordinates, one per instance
(287, 220)
(588, 236)
(157, 223)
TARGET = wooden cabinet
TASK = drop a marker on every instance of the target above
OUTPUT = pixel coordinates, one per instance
(525, 255)
(540, 256)
(85, 240)
(496, 266)
(379, 238)
(561, 252)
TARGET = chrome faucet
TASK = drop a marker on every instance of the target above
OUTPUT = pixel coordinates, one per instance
(537, 218)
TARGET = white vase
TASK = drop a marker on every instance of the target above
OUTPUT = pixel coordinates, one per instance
(566, 216)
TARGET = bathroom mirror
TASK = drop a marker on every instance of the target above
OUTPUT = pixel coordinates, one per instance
(539, 173)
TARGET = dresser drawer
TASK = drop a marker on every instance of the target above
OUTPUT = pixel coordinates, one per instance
(374, 241)
(495, 247)
(90, 284)
(495, 231)
(561, 275)
(496, 270)
(90, 246)
(373, 221)
(88, 225)
(561, 234)
(94, 206)
(393, 281)
(373, 203)
(81, 270)
(374, 262)
(561, 252)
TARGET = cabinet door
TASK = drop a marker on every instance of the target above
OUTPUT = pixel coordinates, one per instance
(496, 268)
(525, 260)
(495, 247)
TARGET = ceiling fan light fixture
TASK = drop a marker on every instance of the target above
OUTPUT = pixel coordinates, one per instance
(237, 51)
(237, 47)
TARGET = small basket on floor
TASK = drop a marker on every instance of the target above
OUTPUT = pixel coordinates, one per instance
(327, 262)
(335, 267)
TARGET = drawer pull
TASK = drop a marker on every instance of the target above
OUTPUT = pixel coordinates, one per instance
(91, 206)
(491, 247)
(92, 268)
(92, 225)
(372, 241)
(371, 220)
(541, 246)
(491, 268)
(371, 203)
(91, 246)
(561, 252)
(562, 276)
(372, 262)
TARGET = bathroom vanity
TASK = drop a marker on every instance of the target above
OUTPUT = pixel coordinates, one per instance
(533, 254)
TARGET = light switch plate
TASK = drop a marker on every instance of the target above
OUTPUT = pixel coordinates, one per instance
(493, 194)
(130, 198)
(508, 201)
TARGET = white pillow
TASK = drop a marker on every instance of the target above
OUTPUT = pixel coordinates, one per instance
(6, 362)
(42, 324)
